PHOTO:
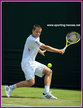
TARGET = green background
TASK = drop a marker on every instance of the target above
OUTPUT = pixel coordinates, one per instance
(18, 19)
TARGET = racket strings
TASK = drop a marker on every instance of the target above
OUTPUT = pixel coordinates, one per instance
(73, 37)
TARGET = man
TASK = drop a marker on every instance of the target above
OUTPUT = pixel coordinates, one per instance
(31, 67)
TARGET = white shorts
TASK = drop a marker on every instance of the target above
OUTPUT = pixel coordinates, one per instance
(33, 68)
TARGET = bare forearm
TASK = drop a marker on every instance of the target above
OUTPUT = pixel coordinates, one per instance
(41, 52)
(51, 49)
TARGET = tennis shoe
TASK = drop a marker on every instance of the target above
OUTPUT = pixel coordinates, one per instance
(8, 91)
(48, 96)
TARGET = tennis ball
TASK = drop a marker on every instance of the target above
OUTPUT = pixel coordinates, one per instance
(49, 65)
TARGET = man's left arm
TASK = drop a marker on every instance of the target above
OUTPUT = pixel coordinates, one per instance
(41, 51)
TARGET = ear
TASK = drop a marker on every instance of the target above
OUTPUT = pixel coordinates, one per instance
(32, 30)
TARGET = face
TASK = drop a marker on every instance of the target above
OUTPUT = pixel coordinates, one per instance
(37, 32)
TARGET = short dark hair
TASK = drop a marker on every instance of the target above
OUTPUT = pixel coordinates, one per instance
(36, 25)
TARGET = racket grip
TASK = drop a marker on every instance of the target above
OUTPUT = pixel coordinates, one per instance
(65, 48)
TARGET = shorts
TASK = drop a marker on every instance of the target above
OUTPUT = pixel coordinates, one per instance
(33, 68)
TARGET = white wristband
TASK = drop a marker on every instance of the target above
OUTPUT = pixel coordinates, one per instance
(64, 48)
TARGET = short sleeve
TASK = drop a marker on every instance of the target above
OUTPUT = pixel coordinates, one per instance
(34, 43)
(37, 43)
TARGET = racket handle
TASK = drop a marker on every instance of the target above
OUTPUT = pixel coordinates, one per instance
(65, 48)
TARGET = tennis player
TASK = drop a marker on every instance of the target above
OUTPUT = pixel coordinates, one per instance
(31, 67)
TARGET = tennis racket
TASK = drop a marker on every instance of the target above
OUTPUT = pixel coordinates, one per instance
(72, 38)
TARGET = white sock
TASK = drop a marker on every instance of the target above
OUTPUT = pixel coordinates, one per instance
(13, 86)
(46, 89)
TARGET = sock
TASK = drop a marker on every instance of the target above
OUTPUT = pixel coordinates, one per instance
(46, 89)
(13, 86)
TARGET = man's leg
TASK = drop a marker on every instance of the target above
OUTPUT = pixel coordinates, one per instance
(47, 81)
(27, 83)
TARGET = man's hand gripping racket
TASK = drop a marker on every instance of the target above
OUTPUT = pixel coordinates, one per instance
(72, 38)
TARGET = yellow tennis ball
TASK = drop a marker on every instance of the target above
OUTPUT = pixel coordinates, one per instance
(49, 65)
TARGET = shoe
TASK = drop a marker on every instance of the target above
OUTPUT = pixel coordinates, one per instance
(48, 96)
(7, 91)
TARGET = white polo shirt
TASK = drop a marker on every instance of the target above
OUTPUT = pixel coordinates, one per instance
(31, 48)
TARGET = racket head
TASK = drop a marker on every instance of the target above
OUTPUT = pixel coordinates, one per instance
(72, 37)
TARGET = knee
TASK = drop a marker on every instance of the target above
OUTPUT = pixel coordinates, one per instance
(31, 82)
(49, 72)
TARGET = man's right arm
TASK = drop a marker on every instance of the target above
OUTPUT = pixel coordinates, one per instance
(51, 49)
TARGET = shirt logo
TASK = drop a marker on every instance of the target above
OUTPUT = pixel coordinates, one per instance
(29, 49)
(37, 43)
